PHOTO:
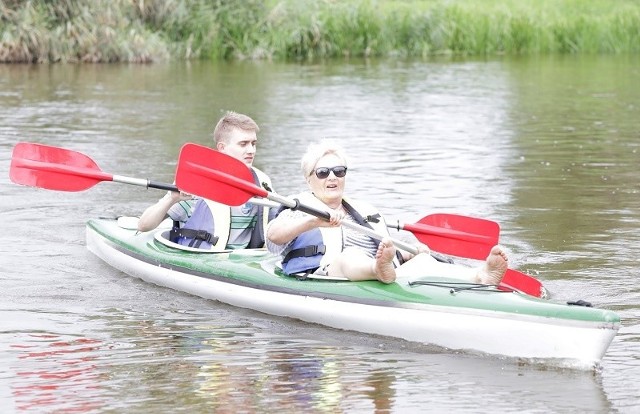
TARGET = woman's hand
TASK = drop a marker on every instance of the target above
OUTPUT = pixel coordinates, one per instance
(422, 248)
(335, 219)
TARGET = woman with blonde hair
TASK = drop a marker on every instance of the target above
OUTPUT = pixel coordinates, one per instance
(312, 245)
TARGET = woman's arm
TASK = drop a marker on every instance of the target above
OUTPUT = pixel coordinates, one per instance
(290, 224)
(286, 227)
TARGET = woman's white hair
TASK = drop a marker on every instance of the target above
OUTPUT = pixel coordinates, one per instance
(318, 150)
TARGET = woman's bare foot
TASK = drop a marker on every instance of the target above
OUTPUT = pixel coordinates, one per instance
(492, 272)
(384, 269)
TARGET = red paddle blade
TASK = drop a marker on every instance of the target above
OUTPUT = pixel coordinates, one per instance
(457, 235)
(215, 176)
(54, 168)
(515, 280)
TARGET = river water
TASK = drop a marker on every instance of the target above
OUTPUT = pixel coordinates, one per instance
(549, 147)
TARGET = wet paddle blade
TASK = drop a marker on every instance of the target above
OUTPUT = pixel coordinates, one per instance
(457, 235)
(216, 176)
(472, 238)
(54, 168)
(477, 238)
(515, 280)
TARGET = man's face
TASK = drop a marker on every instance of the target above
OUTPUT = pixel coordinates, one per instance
(241, 145)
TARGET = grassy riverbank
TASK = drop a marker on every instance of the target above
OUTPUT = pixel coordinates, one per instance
(157, 30)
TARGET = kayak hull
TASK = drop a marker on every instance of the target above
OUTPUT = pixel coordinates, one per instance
(419, 308)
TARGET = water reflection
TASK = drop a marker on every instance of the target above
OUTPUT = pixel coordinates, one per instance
(246, 363)
(56, 373)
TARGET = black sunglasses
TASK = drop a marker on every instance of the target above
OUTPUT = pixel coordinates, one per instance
(323, 172)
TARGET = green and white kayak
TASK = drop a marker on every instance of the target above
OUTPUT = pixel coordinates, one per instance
(425, 308)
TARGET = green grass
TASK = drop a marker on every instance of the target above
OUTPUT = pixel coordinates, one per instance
(156, 30)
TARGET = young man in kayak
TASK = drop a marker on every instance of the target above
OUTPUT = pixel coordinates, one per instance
(309, 244)
(209, 225)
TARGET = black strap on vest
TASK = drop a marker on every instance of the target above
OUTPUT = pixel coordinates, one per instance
(257, 234)
(307, 251)
(373, 219)
(365, 222)
(356, 216)
(173, 234)
(198, 236)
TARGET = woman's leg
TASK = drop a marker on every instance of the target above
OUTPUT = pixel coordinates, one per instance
(490, 272)
(354, 264)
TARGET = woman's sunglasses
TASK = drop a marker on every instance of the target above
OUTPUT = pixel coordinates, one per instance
(323, 172)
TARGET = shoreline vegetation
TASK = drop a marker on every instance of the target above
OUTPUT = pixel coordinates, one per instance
(146, 31)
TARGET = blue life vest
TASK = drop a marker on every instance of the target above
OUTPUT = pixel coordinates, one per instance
(199, 230)
(306, 254)
(193, 234)
(318, 247)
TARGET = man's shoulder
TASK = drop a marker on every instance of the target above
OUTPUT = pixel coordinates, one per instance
(262, 177)
(259, 171)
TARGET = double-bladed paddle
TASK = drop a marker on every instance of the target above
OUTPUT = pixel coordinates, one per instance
(216, 176)
(61, 169)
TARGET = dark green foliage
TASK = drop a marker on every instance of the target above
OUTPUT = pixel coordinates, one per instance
(154, 30)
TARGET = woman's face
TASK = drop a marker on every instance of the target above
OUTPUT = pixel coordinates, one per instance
(329, 190)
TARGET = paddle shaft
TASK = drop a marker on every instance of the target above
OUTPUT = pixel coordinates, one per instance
(143, 182)
(420, 229)
(95, 174)
(295, 204)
